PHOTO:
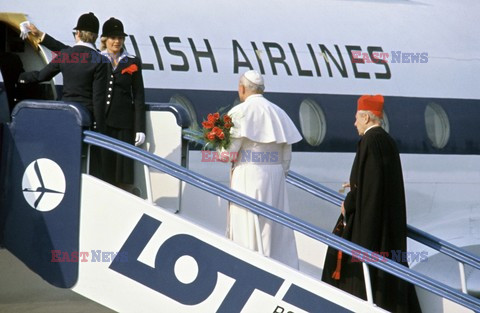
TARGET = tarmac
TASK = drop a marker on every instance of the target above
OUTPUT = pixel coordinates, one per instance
(21, 291)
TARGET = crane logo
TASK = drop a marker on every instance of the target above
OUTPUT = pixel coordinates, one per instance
(43, 185)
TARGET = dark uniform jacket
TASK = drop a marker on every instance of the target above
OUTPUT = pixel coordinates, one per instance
(125, 91)
(84, 72)
(126, 95)
(376, 219)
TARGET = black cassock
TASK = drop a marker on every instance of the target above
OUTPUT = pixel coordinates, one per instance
(376, 219)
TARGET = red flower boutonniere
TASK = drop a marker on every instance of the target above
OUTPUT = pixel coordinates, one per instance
(130, 69)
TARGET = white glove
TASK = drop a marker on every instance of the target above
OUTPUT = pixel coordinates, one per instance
(24, 30)
(139, 139)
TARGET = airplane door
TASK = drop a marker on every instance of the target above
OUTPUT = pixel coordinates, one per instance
(17, 56)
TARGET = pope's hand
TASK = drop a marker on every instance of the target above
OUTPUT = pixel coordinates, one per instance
(139, 139)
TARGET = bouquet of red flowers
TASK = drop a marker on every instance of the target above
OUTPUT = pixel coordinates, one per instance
(216, 130)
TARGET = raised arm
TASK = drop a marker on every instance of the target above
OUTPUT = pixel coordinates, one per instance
(53, 44)
(45, 39)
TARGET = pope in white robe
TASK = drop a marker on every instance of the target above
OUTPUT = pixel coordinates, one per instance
(261, 140)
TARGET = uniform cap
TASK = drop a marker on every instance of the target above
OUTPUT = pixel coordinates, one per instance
(254, 77)
(371, 103)
(88, 22)
(113, 28)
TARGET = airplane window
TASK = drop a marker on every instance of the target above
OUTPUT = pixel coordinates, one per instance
(184, 102)
(312, 122)
(437, 125)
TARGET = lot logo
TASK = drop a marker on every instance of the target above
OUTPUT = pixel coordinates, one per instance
(206, 262)
(43, 185)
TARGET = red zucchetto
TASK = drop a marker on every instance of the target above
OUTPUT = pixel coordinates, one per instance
(370, 103)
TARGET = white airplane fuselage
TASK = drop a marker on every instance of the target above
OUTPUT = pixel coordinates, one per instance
(317, 58)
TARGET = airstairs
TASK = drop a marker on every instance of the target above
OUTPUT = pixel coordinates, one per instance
(152, 252)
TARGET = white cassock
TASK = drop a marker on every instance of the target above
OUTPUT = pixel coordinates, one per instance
(262, 136)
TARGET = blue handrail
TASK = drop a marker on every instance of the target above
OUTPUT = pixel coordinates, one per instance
(336, 198)
(277, 216)
(412, 232)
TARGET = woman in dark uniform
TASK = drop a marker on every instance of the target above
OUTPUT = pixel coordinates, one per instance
(125, 102)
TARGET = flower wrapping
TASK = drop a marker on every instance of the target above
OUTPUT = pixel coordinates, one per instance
(130, 69)
(216, 130)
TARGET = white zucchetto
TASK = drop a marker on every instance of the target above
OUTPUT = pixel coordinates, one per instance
(254, 77)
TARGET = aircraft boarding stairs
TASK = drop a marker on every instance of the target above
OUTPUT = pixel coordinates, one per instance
(155, 254)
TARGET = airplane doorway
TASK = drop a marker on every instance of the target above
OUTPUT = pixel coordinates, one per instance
(17, 56)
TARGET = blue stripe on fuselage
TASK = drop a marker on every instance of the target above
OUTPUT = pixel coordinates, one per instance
(406, 116)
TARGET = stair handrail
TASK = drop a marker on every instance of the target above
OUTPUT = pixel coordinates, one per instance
(336, 198)
(260, 208)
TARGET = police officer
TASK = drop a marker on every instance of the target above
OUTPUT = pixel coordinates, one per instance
(125, 117)
(83, 68)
